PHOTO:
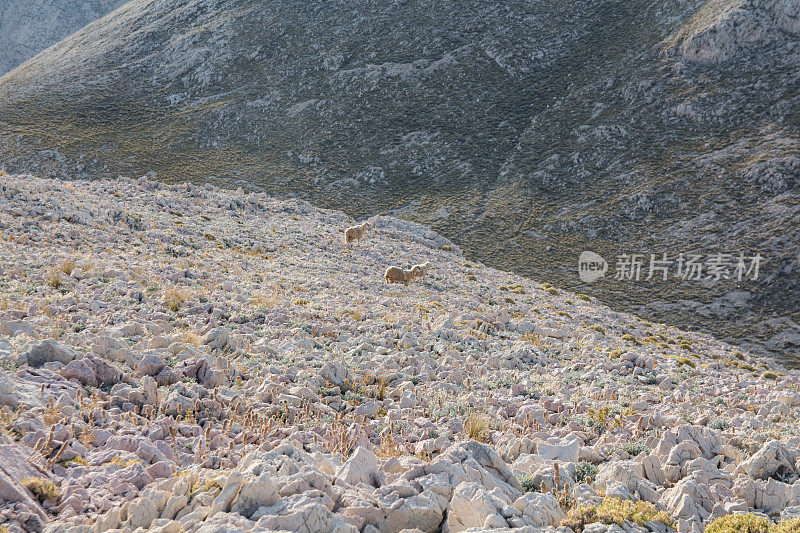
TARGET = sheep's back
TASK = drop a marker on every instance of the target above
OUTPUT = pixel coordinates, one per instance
(395, 273)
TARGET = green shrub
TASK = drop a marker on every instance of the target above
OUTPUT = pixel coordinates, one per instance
(787, 526)
(585, 472)
(616, 511)
(634, 449)
(740, 523)
(528, 485)
(630, 338)
(720, 424)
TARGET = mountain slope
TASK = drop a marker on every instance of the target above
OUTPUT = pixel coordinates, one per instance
(29, 26)
(526, 132)
(183, 358)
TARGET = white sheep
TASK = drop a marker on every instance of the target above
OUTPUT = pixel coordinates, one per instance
(395, 274)
(422, 269)
(354, 233)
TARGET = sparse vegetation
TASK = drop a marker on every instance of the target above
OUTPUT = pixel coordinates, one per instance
(528, 485)
(174, 298)
(325, 362)
(67, 266)
(630, 338)
(720, 424)
(476, 426)
(616, 511)
(634, 449)
(54, 281)
(42, 488)
(740, 523)
(585, 472)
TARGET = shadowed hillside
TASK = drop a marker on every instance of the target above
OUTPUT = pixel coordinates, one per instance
(29, 26)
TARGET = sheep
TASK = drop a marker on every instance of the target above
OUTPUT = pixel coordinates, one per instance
(354, 233)
(395, 274)
(422, 269)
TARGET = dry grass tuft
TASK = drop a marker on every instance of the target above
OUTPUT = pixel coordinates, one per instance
(476, 426)
(390, 447)
(42, 488)
(54, 281)
(174, 297)
(67, 266)
(265, 299)
(339, 441)
(535, 339)
(380, 388)
(51, 413)
(192, 338)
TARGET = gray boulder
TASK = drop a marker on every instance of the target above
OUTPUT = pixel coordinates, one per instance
(47, 352)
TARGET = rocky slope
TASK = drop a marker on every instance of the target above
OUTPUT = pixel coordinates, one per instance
(183, 358)
(527, 131)
(29, 26)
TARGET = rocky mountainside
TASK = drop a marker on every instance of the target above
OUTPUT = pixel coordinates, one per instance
(525, 131)
(29, 26)
(183, 358)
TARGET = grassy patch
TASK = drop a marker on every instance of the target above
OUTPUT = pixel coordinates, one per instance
(616, 511)
(630, 338)
(740, 523)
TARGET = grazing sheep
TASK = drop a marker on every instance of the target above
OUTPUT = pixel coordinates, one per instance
(395, 274)
(354, 233)
(422, 269)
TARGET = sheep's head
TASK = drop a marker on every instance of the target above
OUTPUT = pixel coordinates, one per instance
(366, 225)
